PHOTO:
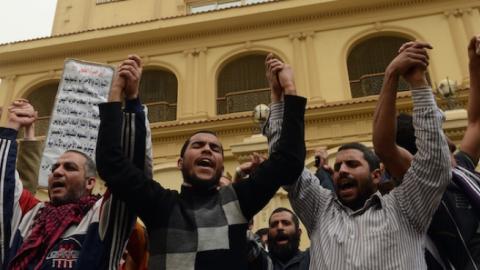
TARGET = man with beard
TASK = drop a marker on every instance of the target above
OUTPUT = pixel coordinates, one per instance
(357, 227)
(454, 236)
(202, 227)
(283, 241)
(75, 229)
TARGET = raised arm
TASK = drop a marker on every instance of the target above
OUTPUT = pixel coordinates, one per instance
(29, 156)
(306, 194)
(429, 174)
(14, 200)
(126, 177)
(285, 165)
(116, 218)
(410, 63)
(471, 140)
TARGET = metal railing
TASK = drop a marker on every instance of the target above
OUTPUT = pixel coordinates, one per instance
(371, 84)
(241, 101)
(161, 111)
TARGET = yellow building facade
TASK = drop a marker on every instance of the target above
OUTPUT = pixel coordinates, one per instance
(203, 65)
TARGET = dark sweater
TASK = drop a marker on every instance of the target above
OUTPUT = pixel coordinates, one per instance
(198, 229)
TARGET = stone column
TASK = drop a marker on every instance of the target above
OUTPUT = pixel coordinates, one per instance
(313, 72)
(195, 98)
(203, 94)
(298, 65)
(7, 88)
(468, 22)
(186, 98)
(459, 40)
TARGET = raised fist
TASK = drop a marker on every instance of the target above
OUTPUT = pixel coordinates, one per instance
(21, 114)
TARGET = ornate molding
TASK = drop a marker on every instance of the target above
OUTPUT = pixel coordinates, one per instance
(195, 51)
(188, 52)
(301, 36)
(146, 60)
(51, 73)
(468, 11)
(378, 26)
(459, 12)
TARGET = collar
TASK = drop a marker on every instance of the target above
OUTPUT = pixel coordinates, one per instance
(375, 201)
(295, 259)
(193, 191)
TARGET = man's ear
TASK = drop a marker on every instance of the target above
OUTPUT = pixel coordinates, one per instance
(91, 182)
(376, 176)
(180, 163)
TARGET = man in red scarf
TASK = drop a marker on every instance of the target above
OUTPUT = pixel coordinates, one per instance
(75, 230)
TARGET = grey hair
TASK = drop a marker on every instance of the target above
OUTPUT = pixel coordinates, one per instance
(90, 167)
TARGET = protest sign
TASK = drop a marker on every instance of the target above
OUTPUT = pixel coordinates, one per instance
(75, 118)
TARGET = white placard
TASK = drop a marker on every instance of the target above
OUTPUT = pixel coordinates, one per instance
(75, 119)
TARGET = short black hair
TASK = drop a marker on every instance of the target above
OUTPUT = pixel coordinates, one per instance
(187, 141)
(372, 159)
(405, 136)
(283, 209)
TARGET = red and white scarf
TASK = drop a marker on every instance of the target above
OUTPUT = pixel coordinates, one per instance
(50, 224)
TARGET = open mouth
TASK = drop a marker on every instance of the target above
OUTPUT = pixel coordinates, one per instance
(205, 162)
(347, 183)
(57, 184)
(281, 239)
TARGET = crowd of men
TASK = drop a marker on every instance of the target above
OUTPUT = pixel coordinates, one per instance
(410, 203)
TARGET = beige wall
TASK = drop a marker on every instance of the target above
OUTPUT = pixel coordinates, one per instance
(314, 36)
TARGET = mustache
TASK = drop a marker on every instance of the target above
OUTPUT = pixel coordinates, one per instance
(281, 236)
(346, 180)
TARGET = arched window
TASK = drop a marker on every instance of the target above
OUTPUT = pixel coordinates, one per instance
(43, 99)
(367, 62)
(242, 84)
(158, 90)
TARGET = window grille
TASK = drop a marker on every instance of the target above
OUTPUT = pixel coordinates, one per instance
(242, 85)
(367, 62)
(158, 91)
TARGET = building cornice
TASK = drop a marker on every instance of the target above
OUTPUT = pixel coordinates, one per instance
(331, 113)
(175, 29)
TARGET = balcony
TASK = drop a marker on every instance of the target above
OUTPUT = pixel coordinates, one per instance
(242, 101)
